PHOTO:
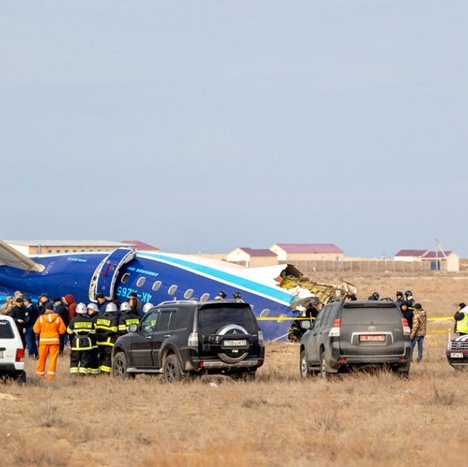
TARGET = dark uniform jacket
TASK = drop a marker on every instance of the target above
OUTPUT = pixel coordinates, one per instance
(107, 327)
(126, 319)
(19, 313)
(82, 329)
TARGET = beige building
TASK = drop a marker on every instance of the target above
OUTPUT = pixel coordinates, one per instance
(252, 257)
(47, 247)
(439, 260)
(290, 252)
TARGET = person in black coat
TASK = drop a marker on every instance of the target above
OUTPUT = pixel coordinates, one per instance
(31, 315)
(61, 309)
(407, 313)
(18, 313)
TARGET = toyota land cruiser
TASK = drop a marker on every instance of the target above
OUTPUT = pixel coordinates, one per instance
(356, 334)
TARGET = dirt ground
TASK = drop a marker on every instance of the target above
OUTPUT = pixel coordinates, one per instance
(358, 419)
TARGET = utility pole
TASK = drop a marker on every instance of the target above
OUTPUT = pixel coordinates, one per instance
(438, 248)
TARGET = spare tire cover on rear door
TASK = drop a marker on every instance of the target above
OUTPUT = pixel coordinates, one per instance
(232, 355)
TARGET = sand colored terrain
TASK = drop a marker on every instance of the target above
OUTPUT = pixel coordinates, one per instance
(357, 419)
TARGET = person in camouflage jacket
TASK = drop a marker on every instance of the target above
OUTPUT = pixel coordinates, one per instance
(418, 332)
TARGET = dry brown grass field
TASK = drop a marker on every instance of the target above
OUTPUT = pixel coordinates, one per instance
(357, 419)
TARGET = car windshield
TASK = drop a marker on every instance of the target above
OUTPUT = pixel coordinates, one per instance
(5, 330)
(213, 317)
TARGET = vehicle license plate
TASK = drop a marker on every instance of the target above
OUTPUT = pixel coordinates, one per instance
(372, 338)
(456, 354)
(235, 343)
(1, 353)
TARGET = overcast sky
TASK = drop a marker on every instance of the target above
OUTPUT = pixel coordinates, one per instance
(201, 126)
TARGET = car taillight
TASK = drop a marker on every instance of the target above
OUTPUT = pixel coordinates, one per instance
(406, 328)
(19, 355)
(260, 337)
(193, 339)
(335, 330)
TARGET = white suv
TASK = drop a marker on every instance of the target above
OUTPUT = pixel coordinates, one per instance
(11, 351)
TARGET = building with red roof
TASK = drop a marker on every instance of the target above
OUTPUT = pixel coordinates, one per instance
(252, 257)
(441, 260)
(289, 252)
(140, 246)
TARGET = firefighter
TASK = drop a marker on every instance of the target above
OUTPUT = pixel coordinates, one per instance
(127, 317)
(49, 327)
(81, 327)
(107, 327)
(93, 366)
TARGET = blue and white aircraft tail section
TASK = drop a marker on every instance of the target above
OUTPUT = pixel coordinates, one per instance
(155, 277)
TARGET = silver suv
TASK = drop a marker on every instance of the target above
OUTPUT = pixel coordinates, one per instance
(356, 334)
(11, 351)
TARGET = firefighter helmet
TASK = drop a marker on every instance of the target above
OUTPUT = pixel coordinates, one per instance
(81, 309)
(93, 306)
(147, 307)
(125, 306)
(111, 308)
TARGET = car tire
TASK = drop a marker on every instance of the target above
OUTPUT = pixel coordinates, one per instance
(21, 377)
(232, 356)
(172, 369)
(120, 367)
(304, 367)
(324, 373)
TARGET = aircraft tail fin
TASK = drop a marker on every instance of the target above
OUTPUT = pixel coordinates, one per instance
(13, 258)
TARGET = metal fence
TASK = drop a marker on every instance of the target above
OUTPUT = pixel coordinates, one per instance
(308, 267)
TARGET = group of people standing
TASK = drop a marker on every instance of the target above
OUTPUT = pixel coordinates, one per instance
(91, 330)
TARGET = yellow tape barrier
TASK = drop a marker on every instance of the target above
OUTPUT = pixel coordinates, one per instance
(285, 318)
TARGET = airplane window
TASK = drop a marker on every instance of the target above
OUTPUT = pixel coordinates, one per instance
(156, 286)
(205, 297)
(188, 293)
(125, 277)
(172, 289)
(141, 281)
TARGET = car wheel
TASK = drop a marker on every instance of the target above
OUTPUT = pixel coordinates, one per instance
(244, 376)
(304, 367)
(172, 370)
(21, 377)
(324, 373)
(120, 367)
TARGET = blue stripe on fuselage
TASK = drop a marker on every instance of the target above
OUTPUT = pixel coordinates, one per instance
(270, 292)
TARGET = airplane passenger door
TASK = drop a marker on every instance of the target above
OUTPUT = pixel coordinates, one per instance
(106, 273)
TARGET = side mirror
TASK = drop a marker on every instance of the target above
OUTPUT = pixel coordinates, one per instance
(306, 324)
(133, 328)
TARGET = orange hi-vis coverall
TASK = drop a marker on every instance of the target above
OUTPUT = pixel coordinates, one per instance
(49, 326)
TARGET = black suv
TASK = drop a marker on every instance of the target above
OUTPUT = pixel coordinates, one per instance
(356, 334)
(189, 337)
